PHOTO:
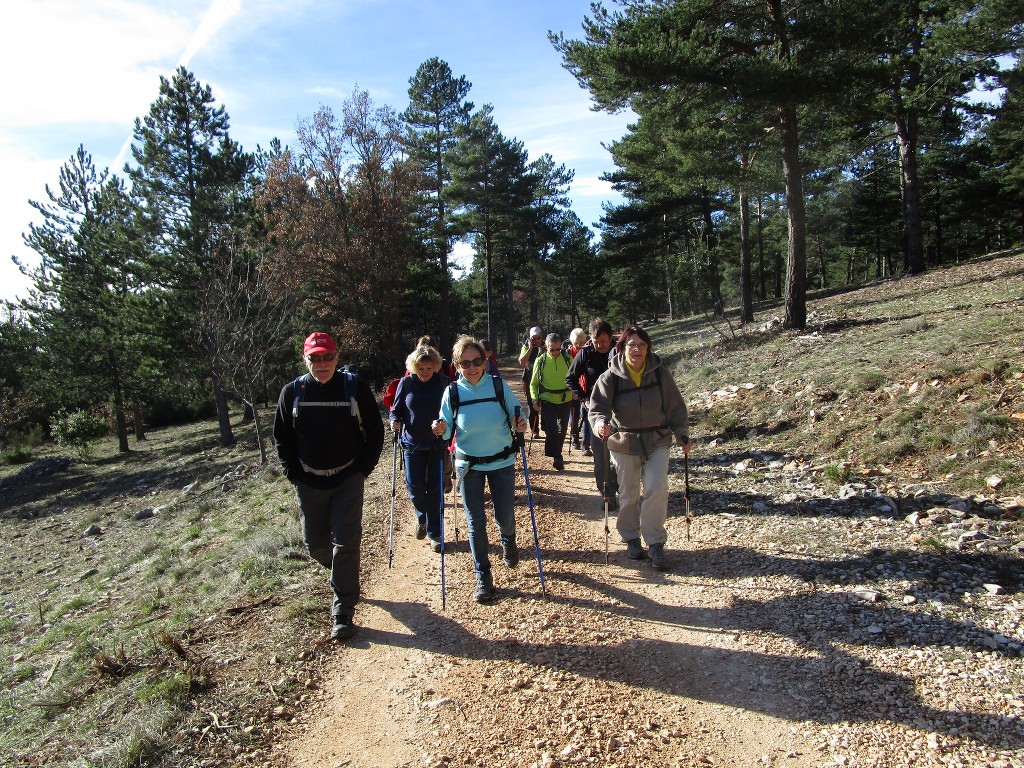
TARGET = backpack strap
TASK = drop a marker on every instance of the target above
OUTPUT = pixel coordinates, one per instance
(540, 375)
(499, 397)
(656, 383)
(350, 384)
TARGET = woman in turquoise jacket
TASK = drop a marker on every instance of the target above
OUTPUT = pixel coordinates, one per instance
(479, 410)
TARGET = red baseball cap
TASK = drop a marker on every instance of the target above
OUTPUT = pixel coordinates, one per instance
(318, 342)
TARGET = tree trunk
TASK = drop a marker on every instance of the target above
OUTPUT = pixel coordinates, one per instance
(906, 136)
(120, 422)
(227, 438)
(511, 337)
(796, 267)
(763, 289)
(668, 272)
(140, 431)
(259, 430)
(746, 289)
(488, 284)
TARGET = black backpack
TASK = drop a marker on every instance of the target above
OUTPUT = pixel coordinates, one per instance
(499, 397)
(351, 384)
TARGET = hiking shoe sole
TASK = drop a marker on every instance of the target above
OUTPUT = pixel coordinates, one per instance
(343, 628)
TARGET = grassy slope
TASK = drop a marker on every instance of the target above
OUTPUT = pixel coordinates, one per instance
(151, 643)
(918, 378)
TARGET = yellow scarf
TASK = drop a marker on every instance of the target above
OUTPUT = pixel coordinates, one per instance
(634, 374)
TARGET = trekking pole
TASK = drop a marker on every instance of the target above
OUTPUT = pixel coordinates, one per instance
(607, 501)
(391, 525)
(455, 487)
(441, 486)
(686, 491)
(529, 498)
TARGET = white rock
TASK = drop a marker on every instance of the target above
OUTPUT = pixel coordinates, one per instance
(867, 595)
(993, 481)
(994, 589)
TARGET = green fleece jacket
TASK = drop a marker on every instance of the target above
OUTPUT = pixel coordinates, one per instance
(548, 380)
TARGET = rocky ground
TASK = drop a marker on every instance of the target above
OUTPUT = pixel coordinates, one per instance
(865, 625)
(816, 613)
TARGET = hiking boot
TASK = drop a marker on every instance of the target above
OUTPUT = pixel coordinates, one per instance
(484, 590)
(658, 557)
(559, 464)
(343, 627)
(576, 444)
(421, 531)
(635, 550)
(510, 553)
(587, 451)
(435, 544)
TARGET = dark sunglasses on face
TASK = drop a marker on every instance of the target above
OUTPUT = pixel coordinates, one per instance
(327, 358)
(476, 362)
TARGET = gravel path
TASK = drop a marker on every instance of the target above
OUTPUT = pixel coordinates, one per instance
(798, 634)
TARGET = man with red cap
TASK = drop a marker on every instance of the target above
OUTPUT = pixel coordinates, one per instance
(329, 437)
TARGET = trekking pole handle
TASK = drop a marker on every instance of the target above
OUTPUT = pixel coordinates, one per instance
(518, 410)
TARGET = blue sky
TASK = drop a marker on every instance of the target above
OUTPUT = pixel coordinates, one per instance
(81, 71)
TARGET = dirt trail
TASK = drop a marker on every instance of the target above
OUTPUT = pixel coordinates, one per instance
(619, 666)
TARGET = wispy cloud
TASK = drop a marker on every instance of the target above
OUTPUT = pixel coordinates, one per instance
(216, 17)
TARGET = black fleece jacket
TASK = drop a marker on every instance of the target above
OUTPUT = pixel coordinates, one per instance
(327, 437)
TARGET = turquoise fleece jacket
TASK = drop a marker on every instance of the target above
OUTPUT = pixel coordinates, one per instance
(480, 429)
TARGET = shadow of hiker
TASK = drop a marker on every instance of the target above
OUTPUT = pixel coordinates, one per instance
(835, 688)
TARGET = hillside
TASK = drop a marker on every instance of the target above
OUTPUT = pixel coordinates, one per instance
(846, 593)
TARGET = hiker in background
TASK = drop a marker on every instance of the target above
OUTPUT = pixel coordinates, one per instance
(552, 399)
(479, 410)
(417, 402)
(584, 372)
(447, 368)
(575, 342)
(637, 407)
(329, 437)
(492, 360)
(527, 356)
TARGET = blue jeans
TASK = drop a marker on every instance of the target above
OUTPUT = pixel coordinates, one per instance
(502, 483)
(332, 525)
(423, 481)
(584, 411)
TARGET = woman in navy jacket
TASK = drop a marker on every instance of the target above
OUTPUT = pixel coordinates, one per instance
(417, 402)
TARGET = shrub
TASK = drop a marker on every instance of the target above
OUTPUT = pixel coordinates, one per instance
(78, 430)
(21, 444)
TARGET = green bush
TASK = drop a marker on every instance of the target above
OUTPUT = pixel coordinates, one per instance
(78, 430)
(21, 444)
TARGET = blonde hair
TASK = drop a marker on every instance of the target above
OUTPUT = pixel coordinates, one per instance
(460, 346)
(422, 354)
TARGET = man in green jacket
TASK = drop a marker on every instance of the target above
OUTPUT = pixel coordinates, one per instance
(552, 399)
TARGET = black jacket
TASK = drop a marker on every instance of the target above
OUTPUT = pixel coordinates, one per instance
(327, 437)
(590, 364)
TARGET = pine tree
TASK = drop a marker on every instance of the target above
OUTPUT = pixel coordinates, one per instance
(436, 118)
(190, 174)
(775, 55)
(86, 294)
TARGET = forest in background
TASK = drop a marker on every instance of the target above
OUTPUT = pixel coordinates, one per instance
(778, 148)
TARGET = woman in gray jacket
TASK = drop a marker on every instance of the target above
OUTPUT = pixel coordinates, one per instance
(636, 408)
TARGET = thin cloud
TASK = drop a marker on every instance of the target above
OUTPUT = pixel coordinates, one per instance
(216, 17)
